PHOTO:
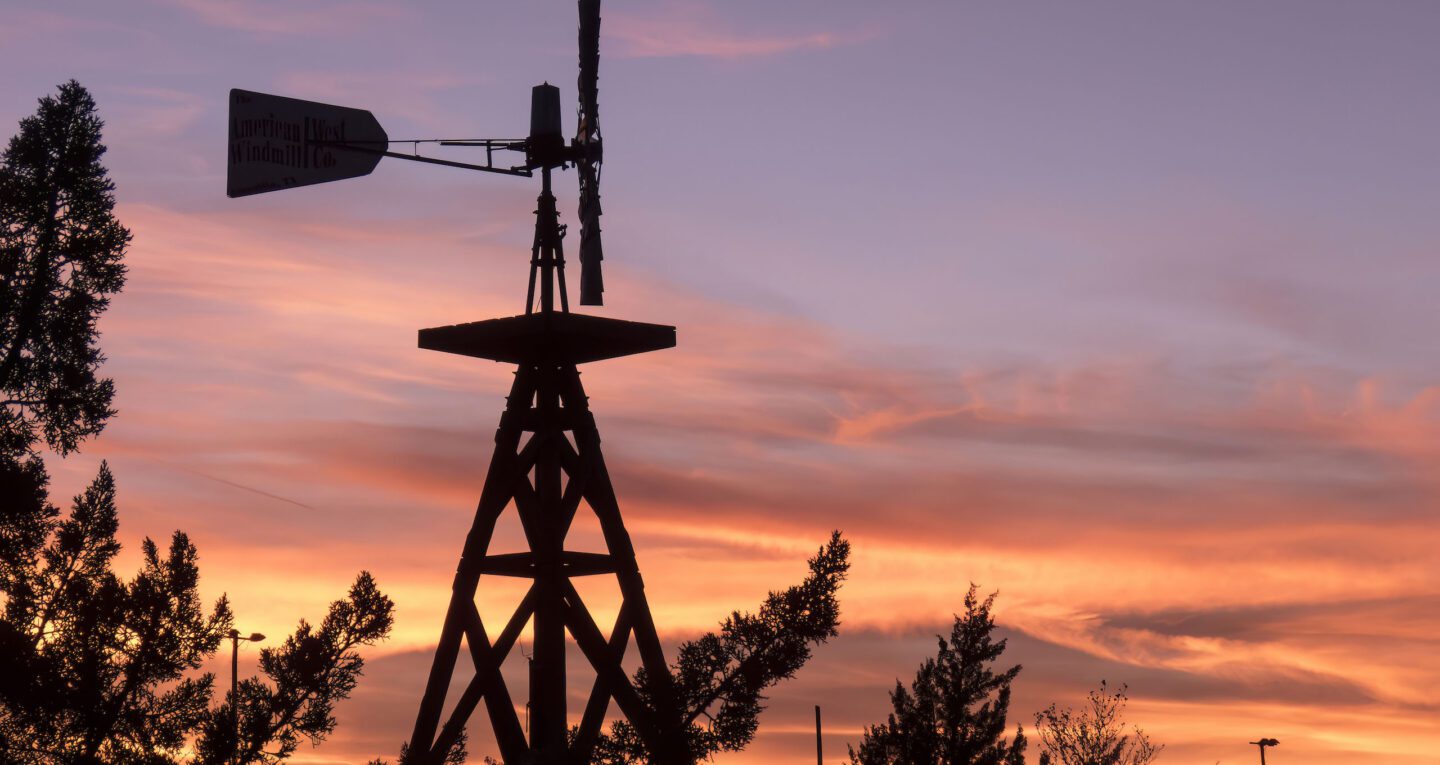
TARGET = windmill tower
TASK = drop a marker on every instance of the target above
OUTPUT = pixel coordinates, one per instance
(547, 462)
(543, 476)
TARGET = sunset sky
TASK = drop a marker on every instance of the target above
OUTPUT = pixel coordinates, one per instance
(1125, 310)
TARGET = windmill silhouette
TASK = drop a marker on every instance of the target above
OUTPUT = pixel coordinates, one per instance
(547, 465)
(545, 478)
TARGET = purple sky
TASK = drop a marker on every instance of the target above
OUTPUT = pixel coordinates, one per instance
(1123, 309)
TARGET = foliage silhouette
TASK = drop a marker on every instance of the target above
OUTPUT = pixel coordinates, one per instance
(459, 754)
(954, 712)
(94, 669)
(315, 668)
(61, 252)
(1096, 734)
(723, 676)
(94, 665)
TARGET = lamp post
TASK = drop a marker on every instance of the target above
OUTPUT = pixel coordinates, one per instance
(819, 751)
(1262, 743)
(235, 639)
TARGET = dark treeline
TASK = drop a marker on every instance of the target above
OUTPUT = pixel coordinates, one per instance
(96, 668)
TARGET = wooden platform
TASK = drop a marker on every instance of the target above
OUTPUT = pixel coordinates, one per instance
(556, 336)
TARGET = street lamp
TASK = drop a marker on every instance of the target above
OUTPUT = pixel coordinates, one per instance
(1262, 743)
(235, 639)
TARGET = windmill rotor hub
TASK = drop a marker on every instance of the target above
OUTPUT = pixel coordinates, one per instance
(545, 148)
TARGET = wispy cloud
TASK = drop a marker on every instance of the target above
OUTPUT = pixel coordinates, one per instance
(273, 17)
(156, 113)
(1139, 517)
(694, 31)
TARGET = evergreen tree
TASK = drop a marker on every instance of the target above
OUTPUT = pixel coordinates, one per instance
(95, 670)
(94, 666)
(1095, 735)
(954, 712)
(307, 675)
(60, 261)
(722, 676)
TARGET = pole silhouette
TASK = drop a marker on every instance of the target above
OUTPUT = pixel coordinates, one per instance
(235, 685)
(819, 750)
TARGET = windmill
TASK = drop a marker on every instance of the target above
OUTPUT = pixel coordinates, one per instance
(547, 465)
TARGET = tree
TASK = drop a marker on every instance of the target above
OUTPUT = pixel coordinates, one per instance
(94, 664)
(723, 676)
(96, 670)
(309, 673)
(61, 252)
(954, 712)
(1094, 735)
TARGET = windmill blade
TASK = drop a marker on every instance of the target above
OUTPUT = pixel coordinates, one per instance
(592, 285)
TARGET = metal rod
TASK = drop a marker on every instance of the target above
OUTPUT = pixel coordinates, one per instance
(521, 171)
(517, 144)
(559, 257)
(545, 224)
(504, 142)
